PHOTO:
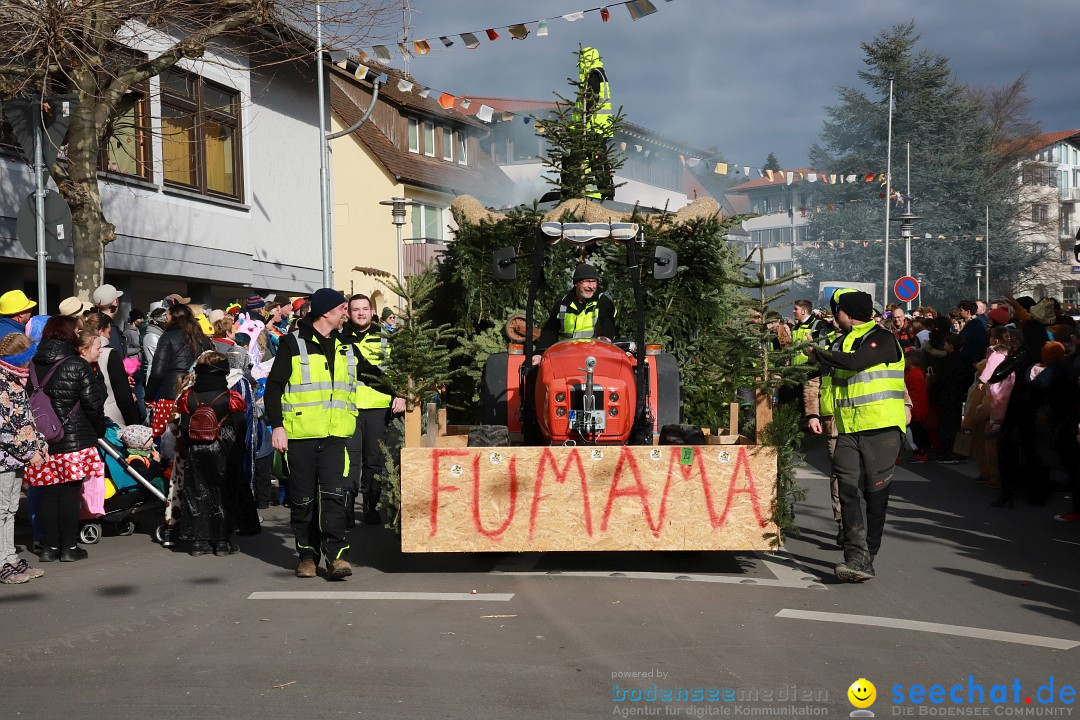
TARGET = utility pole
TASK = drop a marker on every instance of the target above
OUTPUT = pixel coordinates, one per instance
(888, 199)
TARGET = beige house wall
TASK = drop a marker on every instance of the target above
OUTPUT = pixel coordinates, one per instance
(364, 236)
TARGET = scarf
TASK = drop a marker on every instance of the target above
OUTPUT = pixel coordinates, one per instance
(20, 373)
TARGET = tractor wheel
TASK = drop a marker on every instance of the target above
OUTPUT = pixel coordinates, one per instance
(681, 435)
(493, 393)
(668, 391)
(489, 436)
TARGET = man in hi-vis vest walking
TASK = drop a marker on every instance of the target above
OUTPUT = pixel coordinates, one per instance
(311, 406)
(867, 377)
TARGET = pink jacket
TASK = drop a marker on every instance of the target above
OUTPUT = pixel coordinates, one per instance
(999, 392)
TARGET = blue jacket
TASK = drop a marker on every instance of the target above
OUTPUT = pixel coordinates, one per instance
(8, 326)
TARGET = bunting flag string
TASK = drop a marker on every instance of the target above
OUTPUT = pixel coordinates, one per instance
(637, 9)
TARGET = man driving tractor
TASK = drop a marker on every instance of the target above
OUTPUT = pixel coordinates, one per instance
(584, 312)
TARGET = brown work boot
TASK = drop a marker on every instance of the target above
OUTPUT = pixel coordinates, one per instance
(307, 567)
(339, 570)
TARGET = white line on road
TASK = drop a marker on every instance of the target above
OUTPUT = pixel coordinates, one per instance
(1067, 542)
(688, 577)
(960, 630)
(363, 595)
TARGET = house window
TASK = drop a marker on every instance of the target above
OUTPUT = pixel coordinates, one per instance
(1040, 213)
(462, 148)
(414, 135)
(429, 139)
(427, 224)
(200, 135)
(447, 144)
(125, 147)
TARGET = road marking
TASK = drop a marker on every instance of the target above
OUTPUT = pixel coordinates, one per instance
(364, 595)
(1067, 542)
(787, 571)
(941, 629)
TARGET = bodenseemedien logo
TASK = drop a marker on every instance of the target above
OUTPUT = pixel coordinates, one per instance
(862, 695)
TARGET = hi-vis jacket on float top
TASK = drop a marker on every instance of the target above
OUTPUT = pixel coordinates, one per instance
(872, 398)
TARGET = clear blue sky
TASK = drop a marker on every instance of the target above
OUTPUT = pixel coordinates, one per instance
(748, 76)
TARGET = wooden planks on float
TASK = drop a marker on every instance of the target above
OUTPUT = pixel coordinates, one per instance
(541, 499)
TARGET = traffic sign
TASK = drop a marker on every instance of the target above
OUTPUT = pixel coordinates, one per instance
(906, 289)
(57, 224)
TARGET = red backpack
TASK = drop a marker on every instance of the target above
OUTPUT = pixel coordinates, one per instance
(204, 426)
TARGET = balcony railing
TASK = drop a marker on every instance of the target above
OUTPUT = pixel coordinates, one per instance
(418, 253)
(1070, 194)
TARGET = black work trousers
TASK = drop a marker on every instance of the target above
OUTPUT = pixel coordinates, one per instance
(372, 424)
(58, 512)
(317, 493)
(863, 464)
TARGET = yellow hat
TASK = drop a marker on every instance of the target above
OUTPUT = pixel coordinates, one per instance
(14, 302)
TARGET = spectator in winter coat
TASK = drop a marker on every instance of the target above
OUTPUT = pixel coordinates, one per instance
(78, 399)
(120, 404)
(107, 300)
(217, 499)
(1019, 431)
(975, 339)
(947, 389)
(915, 383)
(180, 345)
(155, 326)
(20, 445)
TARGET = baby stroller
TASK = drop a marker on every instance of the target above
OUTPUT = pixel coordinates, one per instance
(126, 492)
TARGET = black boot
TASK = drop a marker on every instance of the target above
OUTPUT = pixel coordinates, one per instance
(72, 554)
(48, 554)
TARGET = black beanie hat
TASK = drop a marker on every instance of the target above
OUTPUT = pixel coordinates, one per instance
(586, 272)
(324, 300)
(858, 305)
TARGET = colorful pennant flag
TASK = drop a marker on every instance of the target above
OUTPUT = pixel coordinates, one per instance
(605, 14)
(542, 29)
(421, 47)
(492, 35)
(519, 31)
(447, 41)
(404, 85)
(447, 101)
(470, 40)
(383, 53)
(485, 113)
(640, 8)
(574, 16)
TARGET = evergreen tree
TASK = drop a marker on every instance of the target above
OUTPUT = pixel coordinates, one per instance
(583, 159)
(955, 175)
(771, 163)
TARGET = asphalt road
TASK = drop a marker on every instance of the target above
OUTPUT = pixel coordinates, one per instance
(138, 631)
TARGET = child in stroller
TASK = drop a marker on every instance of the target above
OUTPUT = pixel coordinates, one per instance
(133, 480)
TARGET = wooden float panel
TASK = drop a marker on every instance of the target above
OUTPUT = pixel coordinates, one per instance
(543, 499)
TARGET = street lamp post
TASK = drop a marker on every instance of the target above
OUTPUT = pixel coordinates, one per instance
(397, 216)
(907, 222)
(978, 278)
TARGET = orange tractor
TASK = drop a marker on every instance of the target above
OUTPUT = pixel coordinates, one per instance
(584, 392)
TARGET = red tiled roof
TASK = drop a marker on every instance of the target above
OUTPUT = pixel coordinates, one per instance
(779, 179)
(1038, 142)
(485, 181)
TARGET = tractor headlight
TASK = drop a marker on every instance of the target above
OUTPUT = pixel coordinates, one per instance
(560, 397)
(613, 397)
(560, 412)
(613, 412)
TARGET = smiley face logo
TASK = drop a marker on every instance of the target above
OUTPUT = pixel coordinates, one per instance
(862, 693)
